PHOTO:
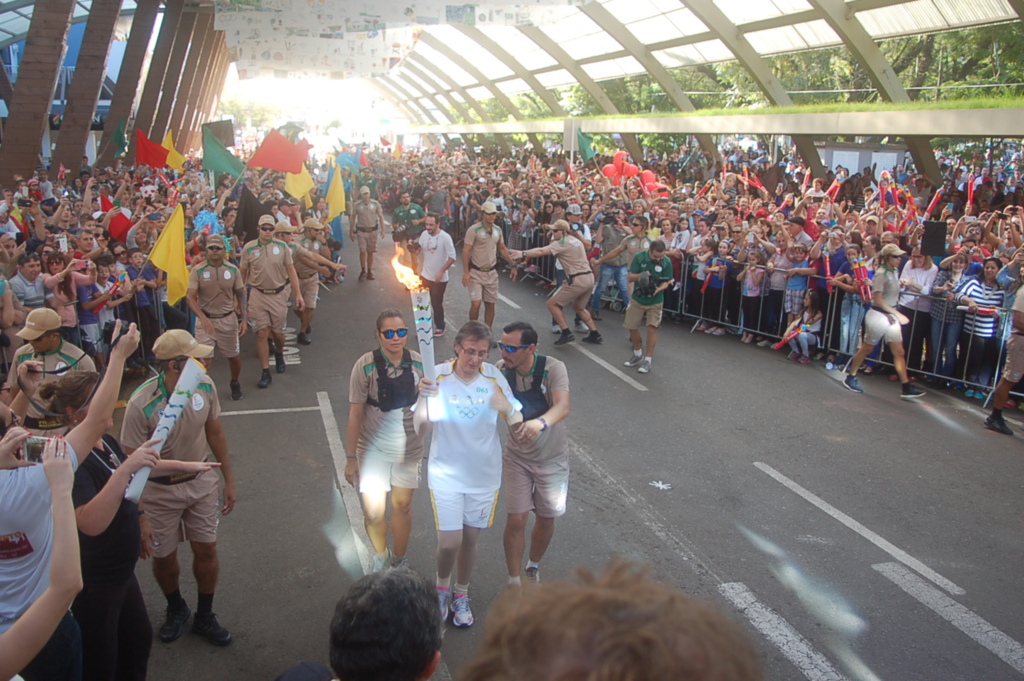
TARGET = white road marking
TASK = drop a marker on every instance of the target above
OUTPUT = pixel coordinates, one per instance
(510, 303)
(612, 370)
(251, 412)
(781, 633)
(1005, 648)
(890, 548)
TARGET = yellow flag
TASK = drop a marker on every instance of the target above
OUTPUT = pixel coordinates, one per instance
(336, 195)
(397, 153)
(174, 159)
(299, 184)
(169, 255)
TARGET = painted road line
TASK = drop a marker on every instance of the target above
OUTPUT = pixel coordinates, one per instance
(615, 372)
(890, 548)
(510, 303)
(781, 633)
(1005, 648)
(252, 412)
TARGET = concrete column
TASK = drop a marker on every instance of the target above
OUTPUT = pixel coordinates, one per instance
(157, 68)
(28, 116)
(127, 86)
(172, 77)
(214, 80)
(202, 35)
(84, 91)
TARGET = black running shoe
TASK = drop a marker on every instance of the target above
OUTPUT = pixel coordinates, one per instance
(565, 337)
(208, 627)
(174, 625)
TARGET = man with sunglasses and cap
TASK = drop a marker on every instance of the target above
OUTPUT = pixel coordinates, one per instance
(483, 243)
(57, 356)
(215, 293)
(367, 218)
(183, 506)
(535, 467)
(310, 262)
(267, 267)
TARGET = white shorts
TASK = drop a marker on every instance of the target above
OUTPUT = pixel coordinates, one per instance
(877, 327)
(453, 510)
(381, 476)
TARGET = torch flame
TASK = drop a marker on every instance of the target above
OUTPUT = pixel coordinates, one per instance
(406, 275)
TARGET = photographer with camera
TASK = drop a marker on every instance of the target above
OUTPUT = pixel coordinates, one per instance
(651, 273)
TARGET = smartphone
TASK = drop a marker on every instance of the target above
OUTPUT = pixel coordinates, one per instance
(970, 218)
(62, 243)
(24, 192)
(84, 265)
(750, 238)
(949, 206)
(32, 449)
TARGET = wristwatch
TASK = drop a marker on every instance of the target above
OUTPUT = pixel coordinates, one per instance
(543, 423)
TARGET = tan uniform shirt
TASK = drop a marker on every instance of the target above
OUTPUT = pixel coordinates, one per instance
(389, 436)
(366, 215)
(635, 244)
(553, 442)
(484, 253)
(217, 287)
(66, 356)
(267, 263)
(187, 440)
(301, 268)
(572, 254)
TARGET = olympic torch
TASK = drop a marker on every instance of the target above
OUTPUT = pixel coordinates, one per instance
(422, 312)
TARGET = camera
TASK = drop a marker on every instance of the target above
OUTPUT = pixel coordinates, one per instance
(25, 203)
(645, 288)
(32, 449)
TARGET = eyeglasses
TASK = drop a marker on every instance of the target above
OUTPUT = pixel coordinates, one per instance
(391, 333)
(215, 248)
(119, 253)
(512, 348)
(267, 228)
(482, 354)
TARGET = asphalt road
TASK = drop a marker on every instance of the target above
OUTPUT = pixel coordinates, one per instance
(857, 536)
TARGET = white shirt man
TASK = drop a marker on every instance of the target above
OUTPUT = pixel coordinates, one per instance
(437, 255)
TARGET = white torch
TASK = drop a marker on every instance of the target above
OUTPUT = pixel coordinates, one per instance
(422, 312)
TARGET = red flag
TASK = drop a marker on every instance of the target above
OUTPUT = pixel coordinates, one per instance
(149, 152)
(384, 141)
(106, 204)
(278, 153)
(119, 226)
(363, 160)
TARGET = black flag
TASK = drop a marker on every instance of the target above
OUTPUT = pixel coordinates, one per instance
(250, 210)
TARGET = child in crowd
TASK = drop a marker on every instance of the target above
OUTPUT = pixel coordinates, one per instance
(796, 281)
(810, 317)
(718, 270)
(752, 278)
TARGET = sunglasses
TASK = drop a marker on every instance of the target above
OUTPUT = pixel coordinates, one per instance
(267, 228)
(391, 333)
(215, 248)
(512, 348)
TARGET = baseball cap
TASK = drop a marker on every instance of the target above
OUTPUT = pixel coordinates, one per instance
(215, 240)
(891, 249)
(38, 322)
(364, 190)
(489, 208)
(574, 209)
(180, 343)
(285, 227)
(798, 221)
(312, 223)
(267, 220)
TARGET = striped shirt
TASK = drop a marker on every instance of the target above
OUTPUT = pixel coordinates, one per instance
(982, 325)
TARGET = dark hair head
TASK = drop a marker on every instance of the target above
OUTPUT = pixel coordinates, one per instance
(658, 246)
(26, 258)
(528, 333)
(70, 391)
(472, 331)
(385, 628)
(387, 314)
(437, 218)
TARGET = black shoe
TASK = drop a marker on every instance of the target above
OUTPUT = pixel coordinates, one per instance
(997, 424)
(174, 625)
(265, 379)
(303, 339)
(593, 337)
(236, 390)
(209, 628)
(280, 365)
(369, 275)
(911, 392)
(565, 337)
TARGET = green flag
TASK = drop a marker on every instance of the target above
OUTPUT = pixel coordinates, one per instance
(217, 158)
(583, 141)
(119, 140)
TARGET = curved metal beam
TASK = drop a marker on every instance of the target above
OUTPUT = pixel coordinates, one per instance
(430, 82)
(387, 94)
(472, 70)
(622, 35)
(411, 99)
(546, 43)
(714, 18)
(881, 73)
(453, 84)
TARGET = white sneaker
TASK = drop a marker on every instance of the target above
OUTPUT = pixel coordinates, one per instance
(444, 599)
(645, 367)
(583, 328)
(555, 328)
(462, 616)
(532, 575)
(381, 562)
(633, 360)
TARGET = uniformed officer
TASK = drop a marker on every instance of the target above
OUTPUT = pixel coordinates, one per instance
(483, 242)
(310, 263)
(267, 266)
(45, 345)
(407, 223)
(367, 218)
(183, 506)
(215, 294)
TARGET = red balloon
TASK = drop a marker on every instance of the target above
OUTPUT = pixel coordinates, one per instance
(648, 176)
(620, 158)
(630, 170)
(651, 186)
(609, 170)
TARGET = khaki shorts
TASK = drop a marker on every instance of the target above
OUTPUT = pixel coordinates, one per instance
(483, 286)
(189, 511)
(877, 327)
(268, 311)
(367, 241)
(577, 293)
(310, 289)
(638, 315)
(1014, 369)
(539, 487)
(225, 335)
(381, 476)
(453, 510)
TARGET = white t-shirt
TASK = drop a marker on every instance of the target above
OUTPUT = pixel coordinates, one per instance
(26, 539)
(435, 252)
(465, 452)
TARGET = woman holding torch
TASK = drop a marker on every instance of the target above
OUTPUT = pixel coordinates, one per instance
(384, 451)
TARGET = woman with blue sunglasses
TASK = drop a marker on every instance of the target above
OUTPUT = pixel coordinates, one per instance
(384, 451)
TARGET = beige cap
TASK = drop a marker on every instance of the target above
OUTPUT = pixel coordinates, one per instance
(267, 220)
(215, 240)
(285, 227)
(312, 223)
(180, 343)
(890, 250)
(39, 321)
(364, 190)
(489, 208)
(560, 224)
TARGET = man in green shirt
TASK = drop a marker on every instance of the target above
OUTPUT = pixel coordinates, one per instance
(650, 272)
(407, 223)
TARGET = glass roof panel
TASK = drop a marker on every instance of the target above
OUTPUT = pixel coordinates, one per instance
(521, 47)
(653, 30)
(572, 26)
(818, 33)
(491, 66)
(513, 87)
(479, 93)
(714, 50)
(553, 79)
(774, 40)
(911, 17)
(591, 45)
(613, 68)
(632, 10)
(686, 22)
(684, 55)
(977, 12)
(444, 64)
